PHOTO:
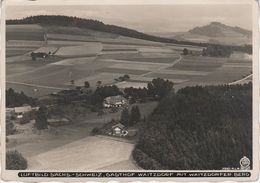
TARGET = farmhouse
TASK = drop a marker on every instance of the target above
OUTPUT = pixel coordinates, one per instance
(19, 111)
(40, 55)
(114, 101)
(118, 130)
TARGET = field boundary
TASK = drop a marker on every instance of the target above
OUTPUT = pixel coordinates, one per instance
(35, 85)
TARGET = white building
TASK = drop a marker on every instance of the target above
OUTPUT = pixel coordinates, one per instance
(114, 101)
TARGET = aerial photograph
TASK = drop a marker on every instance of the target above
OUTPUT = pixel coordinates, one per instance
(128, 87)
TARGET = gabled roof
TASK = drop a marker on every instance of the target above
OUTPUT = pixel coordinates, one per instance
(120, 125)
(22, 109)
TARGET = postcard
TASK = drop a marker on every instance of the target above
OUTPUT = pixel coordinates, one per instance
(129, 90)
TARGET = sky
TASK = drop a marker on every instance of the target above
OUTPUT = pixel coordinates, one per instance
(145, 18)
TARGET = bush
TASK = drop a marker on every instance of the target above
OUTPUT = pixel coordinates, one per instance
(145, 161)
(15, 161)
(26, 118)
(95, 131)
(10, 128)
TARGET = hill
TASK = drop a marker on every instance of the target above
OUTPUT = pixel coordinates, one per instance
(217, 29)
(58, 20)
(214, 33)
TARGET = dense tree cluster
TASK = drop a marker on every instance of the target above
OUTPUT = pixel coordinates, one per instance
(14, 99)
(198, 128)
(156, 89)
(135, 93)
(123, 78)
(60, 20)
(159, 88)
(217, 51)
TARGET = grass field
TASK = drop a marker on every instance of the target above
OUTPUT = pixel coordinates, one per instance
(88, 49)
(24, 32)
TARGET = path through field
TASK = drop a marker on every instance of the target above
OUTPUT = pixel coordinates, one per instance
(161, 68)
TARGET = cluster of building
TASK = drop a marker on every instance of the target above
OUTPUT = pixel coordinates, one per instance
(18, 112)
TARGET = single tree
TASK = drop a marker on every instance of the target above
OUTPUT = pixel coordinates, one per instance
(86, 84)
(185, 51)
(135, 115)
(126, 77)
(99, 83)
(41, 118)
(125, 118)
(72, 82)
(33, 56)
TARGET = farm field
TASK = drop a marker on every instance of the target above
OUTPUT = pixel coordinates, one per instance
(90, 155)
(20, 32)
(80, 59)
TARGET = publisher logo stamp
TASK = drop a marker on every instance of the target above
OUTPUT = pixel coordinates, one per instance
(244, 163)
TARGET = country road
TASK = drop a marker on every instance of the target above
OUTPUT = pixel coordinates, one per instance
(240, 80)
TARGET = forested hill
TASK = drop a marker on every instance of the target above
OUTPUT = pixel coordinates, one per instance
(100, 26)
(88, 23)
(198, 128)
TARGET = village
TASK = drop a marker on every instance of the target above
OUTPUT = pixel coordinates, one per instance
(121, 104)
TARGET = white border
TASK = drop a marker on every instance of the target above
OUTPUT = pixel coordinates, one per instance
(12, 175)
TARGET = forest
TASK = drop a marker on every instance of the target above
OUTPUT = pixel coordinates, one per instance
(198, 128)
(60, 20)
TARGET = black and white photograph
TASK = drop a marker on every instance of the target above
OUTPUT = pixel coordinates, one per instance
(130, 89)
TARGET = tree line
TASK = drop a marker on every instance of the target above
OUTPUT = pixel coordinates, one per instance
(198, 128)
(15, 99)
(60, 20)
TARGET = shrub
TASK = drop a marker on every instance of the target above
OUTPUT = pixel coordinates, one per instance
(145, 161)
(95, 131)
(15, 161)
(10, 128)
